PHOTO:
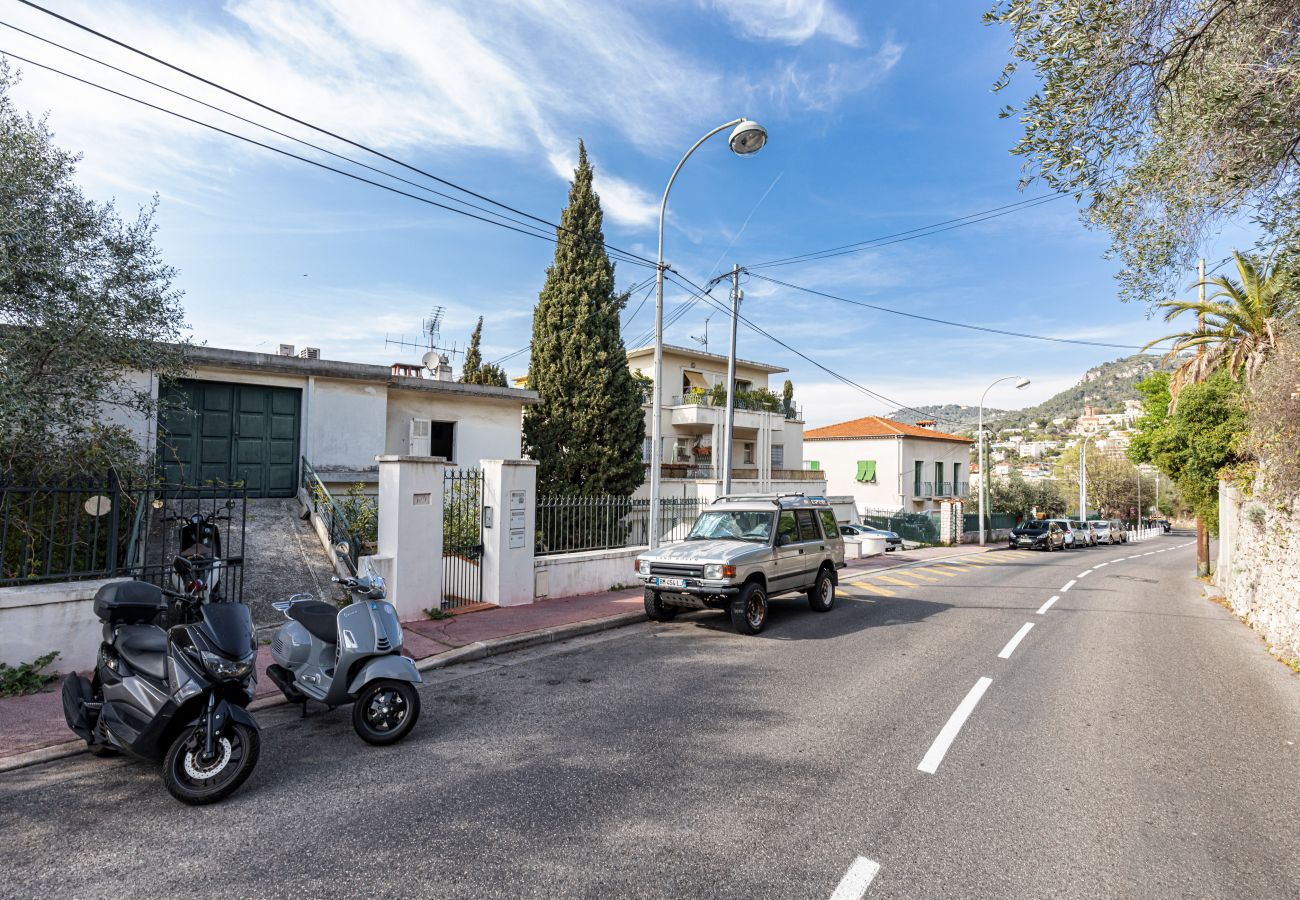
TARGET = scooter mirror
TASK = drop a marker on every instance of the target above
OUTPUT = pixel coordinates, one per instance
(342, 548)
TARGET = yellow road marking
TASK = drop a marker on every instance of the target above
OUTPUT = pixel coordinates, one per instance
(891, 580)
(939, 571)
(875, 589)
(967, 561)
(953, 566)
(917, 573)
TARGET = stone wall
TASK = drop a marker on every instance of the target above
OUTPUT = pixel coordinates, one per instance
(1259, 567)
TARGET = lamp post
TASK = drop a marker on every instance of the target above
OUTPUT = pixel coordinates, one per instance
(1021, 384)
(747, 138)
(1083, 478)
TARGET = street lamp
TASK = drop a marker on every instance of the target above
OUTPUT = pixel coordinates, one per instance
(746, 139)
(1021, 384)
(1083, 478)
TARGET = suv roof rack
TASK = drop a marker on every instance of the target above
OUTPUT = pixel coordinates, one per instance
(775, 499)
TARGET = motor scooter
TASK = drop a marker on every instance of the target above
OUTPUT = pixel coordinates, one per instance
(199, 543)
(177, 696)
(350, 655)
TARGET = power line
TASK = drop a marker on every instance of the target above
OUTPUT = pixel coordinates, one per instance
(910, 234)
(985, 328)
(290, 137)
(703, 294)
(313, 127)
(518, 227)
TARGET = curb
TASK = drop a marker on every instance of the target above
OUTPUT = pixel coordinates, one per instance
(468, 653)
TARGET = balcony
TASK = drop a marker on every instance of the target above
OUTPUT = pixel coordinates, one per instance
(743, 403)
(939, 490)
(693, 472)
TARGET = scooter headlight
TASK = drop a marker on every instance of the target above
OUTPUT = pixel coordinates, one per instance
(221, 667)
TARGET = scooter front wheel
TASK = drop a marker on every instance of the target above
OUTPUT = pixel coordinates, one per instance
(194, 780)
(385, 711)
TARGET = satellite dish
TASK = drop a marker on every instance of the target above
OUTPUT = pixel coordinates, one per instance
(430, 360)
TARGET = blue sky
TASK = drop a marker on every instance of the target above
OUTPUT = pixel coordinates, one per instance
(880, 119)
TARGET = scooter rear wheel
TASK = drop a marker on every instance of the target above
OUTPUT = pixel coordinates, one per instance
(385, 711)
(192, 780)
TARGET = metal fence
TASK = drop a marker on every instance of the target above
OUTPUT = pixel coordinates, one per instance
(338, 523)
(992, 522)
(108, 529)
(573, 524)
(462, 537)
(921, 528)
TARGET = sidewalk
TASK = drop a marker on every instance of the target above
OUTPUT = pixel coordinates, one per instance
(32, 728)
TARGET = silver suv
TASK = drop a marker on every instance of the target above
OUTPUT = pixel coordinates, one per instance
(743, 550)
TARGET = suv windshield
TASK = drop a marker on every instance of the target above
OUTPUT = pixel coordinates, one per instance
(737, 526)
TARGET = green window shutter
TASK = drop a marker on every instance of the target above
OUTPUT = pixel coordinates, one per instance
(866, 470)
(814, 466)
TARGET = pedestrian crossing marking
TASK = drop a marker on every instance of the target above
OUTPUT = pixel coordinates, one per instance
(895, 580)
(978, 562)
(938, 571)
(917, 573)
(953, 566)
(874, 588)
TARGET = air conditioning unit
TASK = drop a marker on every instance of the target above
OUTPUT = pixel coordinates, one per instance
(286, 349)
(309, 353)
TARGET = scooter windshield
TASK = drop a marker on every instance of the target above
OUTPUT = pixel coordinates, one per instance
(230, 628)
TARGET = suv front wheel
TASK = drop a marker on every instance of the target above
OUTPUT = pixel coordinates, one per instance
(822, 596)
(749, 609)
(656, 610)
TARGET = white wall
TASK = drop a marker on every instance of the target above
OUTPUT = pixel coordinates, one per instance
(895, 459)
(592, 572)
(36, 619)
(345, 423)
(485, 428)
(142, 428)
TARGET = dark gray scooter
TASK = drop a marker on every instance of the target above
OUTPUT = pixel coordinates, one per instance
(350, 655)
(177, 695)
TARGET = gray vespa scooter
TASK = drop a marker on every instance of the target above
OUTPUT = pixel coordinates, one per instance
(350, 655)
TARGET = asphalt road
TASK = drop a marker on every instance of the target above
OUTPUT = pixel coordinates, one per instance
(1137, 741)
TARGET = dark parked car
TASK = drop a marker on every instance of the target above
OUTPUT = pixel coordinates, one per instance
(1037, 535)
(892, 540)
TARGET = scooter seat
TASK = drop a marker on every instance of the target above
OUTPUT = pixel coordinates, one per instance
(319, 618)
(144, 647)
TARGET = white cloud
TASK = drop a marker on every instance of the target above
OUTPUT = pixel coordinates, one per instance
(794, 85)
(789, 21)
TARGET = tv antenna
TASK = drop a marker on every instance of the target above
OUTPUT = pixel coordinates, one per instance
(434, 353)
(704, 341)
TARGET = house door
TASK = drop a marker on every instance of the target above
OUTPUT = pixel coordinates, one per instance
(211, 432)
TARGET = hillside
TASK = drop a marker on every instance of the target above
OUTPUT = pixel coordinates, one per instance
(1105, 387)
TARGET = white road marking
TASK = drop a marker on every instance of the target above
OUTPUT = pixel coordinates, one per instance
(1084, 574)
(1015, 641)
(1069, 584)
(1099, 565)
(948, 733)
(1048, 605)
(1148, 553)
(857, 879)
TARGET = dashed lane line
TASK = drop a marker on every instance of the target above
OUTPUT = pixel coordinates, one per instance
(1069, 584)
(1042, 610)
(934, 756)
(1084, 574)
(1015, 641)
(856, 880)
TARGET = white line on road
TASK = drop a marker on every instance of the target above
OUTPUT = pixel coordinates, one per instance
(1099, 565)
(1148, 553)
(1069, 584)
(857, 879)
(1084, 574)
(1015, 641)
(1048, 605)
(948, 733)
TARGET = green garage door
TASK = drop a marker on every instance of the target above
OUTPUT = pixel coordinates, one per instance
(210, 432)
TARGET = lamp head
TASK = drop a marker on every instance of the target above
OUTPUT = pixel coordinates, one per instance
(1022, 384)
(747, 138)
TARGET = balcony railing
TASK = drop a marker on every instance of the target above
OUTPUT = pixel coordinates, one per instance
(692, 472)
(923, 489)
(743, 404)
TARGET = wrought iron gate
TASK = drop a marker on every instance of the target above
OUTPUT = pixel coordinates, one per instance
(462, 538)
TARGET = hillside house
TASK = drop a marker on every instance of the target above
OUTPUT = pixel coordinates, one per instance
(888, 465)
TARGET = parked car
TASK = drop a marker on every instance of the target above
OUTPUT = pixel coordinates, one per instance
(742, 551)
(1070, 529)
(1086, 530)
(1037, 534)
(892, 540)
(1110, 531)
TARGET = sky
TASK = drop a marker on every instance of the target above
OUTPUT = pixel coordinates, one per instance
(880, 119)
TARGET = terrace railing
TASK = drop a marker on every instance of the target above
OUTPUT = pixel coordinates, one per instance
(573, 524)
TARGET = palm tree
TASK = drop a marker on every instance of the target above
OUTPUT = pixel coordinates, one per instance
(1238, 324)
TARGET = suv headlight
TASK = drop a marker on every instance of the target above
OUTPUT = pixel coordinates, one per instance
(716, 571)
(220, 667)
(643, 566)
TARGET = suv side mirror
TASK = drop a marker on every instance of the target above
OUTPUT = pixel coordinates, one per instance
(783, 539)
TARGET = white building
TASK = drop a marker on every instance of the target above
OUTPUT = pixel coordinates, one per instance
(252, 417)
(767, 448)
(889, 465)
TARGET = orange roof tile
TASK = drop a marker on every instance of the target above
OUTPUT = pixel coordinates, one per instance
(878, 427)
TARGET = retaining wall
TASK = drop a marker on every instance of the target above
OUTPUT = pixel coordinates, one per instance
(38, 618)
(1259, 567)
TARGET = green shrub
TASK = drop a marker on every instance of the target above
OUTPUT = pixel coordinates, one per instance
(26, 678)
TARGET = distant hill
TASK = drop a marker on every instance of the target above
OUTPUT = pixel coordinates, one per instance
(1105, 387)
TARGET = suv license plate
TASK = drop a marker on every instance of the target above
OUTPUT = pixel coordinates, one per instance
(671, 582)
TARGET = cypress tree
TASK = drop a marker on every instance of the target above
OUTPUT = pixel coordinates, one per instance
(588, 430)
(475, 370)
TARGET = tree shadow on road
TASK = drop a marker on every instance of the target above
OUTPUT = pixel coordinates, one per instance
(790, 619)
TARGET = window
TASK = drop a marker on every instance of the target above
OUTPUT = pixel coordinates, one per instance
(786, 528)
(739, 526)
(441, 441)
(938, 478)
(807, 525)
(681, 451)
(828, 522)
(744, 385)
(749, 453)
(778, 456)
(956, 476)
(916, 478)
(646, 449)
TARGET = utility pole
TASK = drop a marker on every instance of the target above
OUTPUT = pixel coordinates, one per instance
(736, 297)
(1202, 536)
(1083, 479)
